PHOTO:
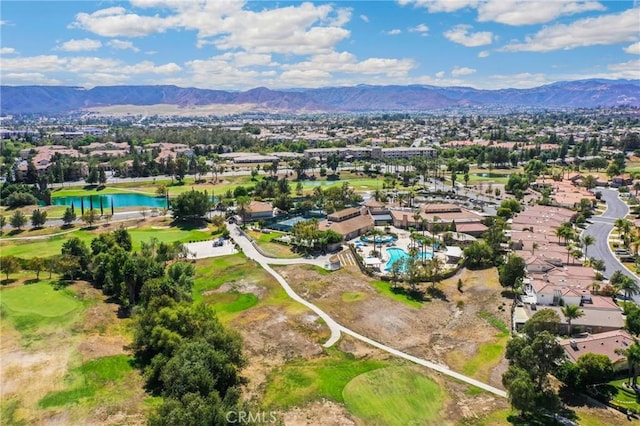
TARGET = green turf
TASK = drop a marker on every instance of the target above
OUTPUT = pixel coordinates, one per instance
(51, 246)
(303, 380)
(211, 273)
(231, 302)
(352, 297)
(488, 355)
(84, 382)
(394, 396)
(384, 288)
(494, 321)
(38, 309)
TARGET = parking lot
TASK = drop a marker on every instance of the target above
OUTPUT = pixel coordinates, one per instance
(204, 249)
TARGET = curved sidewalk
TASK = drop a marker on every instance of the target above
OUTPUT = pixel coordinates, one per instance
(336, 328)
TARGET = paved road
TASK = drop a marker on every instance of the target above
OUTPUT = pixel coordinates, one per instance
(601, 227)
(336, 328)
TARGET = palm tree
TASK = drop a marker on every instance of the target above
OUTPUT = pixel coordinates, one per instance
(595, 287)
(589, 181)
(628, 285)
(632, 353)
(588, 240)
(572, 312)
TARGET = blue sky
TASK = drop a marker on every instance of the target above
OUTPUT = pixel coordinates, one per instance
(237, 45)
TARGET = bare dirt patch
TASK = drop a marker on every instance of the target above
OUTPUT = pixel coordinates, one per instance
(439, 328)
(323, 412)
(241, 286)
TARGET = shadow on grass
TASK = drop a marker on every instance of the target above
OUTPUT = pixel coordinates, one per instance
(8, 281)
(411, 293)
(436, 293)
(189, 225)
(15, 232)
(67, 226)
(31, 281)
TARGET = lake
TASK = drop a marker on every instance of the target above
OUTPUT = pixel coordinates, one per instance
(119, 200)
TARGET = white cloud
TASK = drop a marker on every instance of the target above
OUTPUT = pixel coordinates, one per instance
(7, 50)
(511, 12)
(603, 30)
(29, 78)
(483, 54)
(85, 44)
(629, 69)
(3, 22)
(420, 28)
(529, 12)
(33, 64)
(122, 45)
(435, 6)
(364, 18)
(458, 71)
(115, 21)
(346, 62)
(393, 32)
(460, 34)
(440, 74)
(633, 49)
(299, 29)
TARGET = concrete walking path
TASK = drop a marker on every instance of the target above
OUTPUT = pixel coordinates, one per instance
(336, 328)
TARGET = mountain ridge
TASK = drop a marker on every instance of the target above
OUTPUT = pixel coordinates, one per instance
(360, 98)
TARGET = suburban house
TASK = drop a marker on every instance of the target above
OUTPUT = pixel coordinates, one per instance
(259, 210)
(350, 222)
(444, 214)
(602, 344)
(623, 179)
(379, 211)
(599, 317)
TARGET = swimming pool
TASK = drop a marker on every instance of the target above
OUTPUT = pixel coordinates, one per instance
(396, 254)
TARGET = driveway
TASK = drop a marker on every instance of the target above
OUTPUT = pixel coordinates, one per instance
(600, 228)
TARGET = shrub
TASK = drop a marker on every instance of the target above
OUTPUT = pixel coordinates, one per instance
(19, 199)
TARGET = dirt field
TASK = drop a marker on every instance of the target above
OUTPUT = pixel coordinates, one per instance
(38, 367)
(446, 331)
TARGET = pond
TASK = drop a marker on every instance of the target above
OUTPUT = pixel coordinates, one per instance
(118, 200)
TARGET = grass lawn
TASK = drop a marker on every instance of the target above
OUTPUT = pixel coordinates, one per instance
(38, 309)
(212, 272)
(353, 296)
(624, 397)
(51, 246)
(488, 356)
(301, 381)
(384, 288)
(264, 240)
(91, 382)
(394, 396)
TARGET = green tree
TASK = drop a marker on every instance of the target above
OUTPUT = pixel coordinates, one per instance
(38, 218)
(3, 222)
(588, 240)
(37, 265)
(9, 265)
(593, 369)
(543, 320)
(102, 176)
(478, 255)
(512, 272)
(628, 286)
(570, 313)
(632, 353)
(69, 216)
(193, 410)
(191, 205)
(18, 220)
(123, 238)
(519, 385)
(90, 217)
(632, 318)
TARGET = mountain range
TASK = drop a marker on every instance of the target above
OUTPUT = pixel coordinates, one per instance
(363, 98)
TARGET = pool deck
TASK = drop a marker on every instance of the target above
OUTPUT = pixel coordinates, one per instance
(403, 241)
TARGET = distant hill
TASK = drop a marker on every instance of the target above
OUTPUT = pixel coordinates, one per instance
(363, 98)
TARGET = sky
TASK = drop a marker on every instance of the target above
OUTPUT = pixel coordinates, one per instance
(239, 45)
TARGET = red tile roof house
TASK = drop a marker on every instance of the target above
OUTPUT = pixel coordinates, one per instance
(350, 223)
(602, 344)
(259, 210)
(443, 213)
